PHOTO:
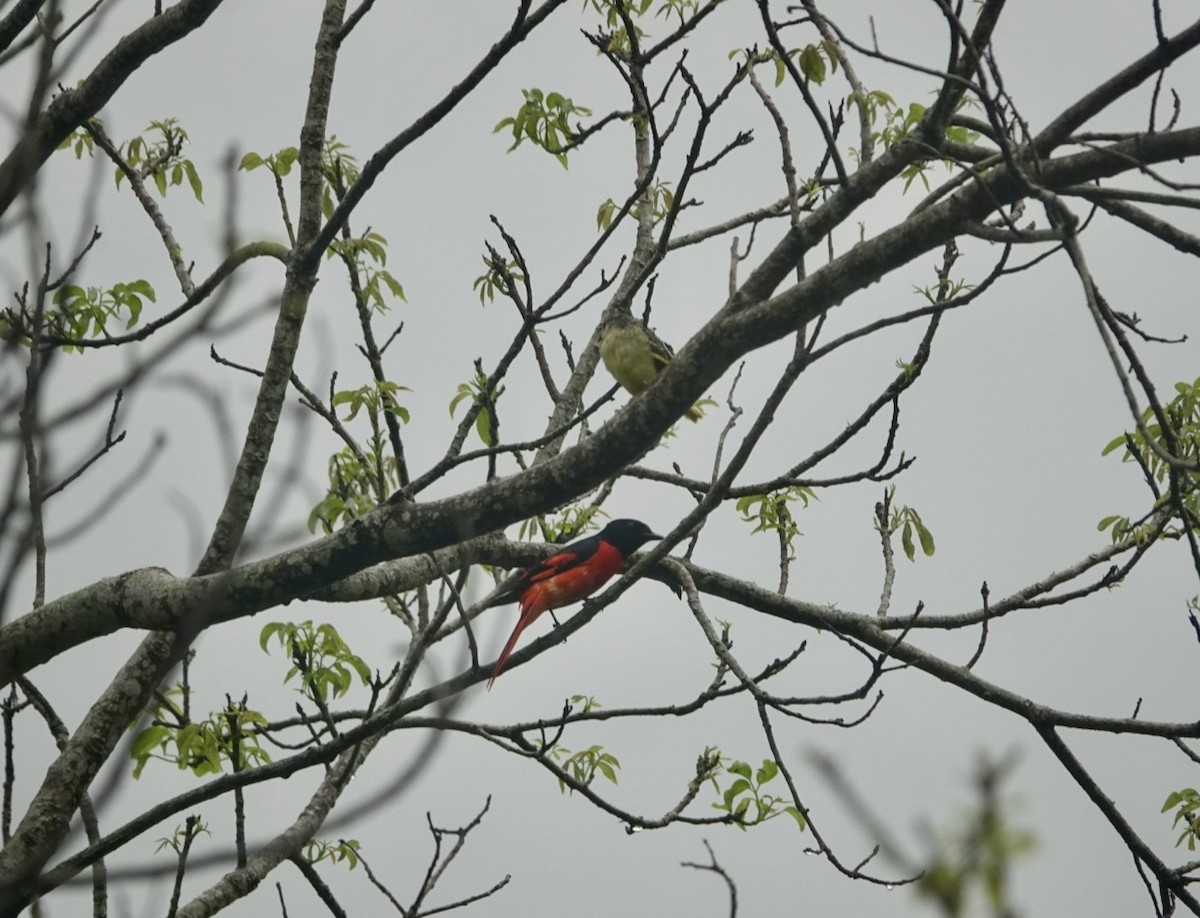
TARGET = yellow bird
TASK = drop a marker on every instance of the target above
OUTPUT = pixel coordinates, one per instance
(634, 355)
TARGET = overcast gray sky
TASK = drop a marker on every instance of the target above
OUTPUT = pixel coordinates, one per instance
(1007, 425)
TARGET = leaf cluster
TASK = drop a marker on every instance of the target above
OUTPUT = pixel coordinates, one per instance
(810, 61)
(279, 164)
(1185, 802)
(1150, 448)
(320, 655)
(339, 168)
(567, 523)
(501, 276)
(193, 827)
(658, 196)
(367, 254)
(746, 801)
(907, 521)
(85, 311)
(376, 398)
(353, 488)
(344, 850)
(584, 765)
(361, 480)
(80, 140)
(617, 13)
(230, 735)
(160, 158)
(893, 122)
(542, 120)
(479, 388)
(773, 513)
(978, 855)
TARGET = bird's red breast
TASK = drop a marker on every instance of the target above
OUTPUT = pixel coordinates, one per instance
(558, 581)
(575, 573)
(566, 578)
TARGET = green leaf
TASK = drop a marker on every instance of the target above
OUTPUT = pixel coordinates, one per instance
(250, 162)
(364, 671)
(735, 790)
(393, 285)
(831, 53)
(604, 216)
(69, 294)
(925, 537)
(483, 427)
(464, 391)
(1116, 443)
(355, 398)
(194, 180)
(770, 768)
(143, 287)
(341, 679)
(796, 815)
(740, 768)
(744, 504)
(134, 305)
(812, 64)
(285, 159)
(149, 740)
(268, 632)
(1178, 797)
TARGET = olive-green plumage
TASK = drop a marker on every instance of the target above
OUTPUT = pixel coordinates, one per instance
(634, 355)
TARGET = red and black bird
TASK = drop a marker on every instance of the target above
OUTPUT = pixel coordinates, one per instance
(573, 574)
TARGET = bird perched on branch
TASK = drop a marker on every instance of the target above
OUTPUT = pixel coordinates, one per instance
(634, 355)
(576, 572)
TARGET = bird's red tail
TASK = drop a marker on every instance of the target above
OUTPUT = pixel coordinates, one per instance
(526, 617)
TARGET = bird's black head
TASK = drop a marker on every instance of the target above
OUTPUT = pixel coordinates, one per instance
(628, 535)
